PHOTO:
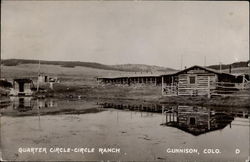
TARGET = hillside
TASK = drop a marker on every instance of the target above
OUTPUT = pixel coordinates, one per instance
(78, 75)
(241, 64)
(72, 64)
(142, 67)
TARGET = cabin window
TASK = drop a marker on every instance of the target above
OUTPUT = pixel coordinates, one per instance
(192, 121)
(192, 80)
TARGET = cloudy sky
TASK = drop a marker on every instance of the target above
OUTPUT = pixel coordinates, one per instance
(155, 33)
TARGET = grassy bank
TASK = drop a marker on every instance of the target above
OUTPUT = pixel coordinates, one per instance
(145, 94)
(138, 94)
(217, 101)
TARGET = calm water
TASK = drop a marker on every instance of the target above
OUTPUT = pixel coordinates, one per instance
(142, 131)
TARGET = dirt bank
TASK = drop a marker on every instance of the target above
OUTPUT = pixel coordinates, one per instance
(141, 94)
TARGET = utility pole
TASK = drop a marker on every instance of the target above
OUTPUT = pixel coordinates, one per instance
(220, 67)
(0, 48)
(0, 58)
(181, 61)
(37, 86)
(205, 61)
(0, 63)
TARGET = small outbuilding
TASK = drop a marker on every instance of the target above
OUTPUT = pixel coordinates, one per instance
(22, 87)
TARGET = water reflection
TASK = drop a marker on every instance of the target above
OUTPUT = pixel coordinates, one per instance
(30, 106)
(195, 120)
(23, 104)
(147, 107)
(27, 106)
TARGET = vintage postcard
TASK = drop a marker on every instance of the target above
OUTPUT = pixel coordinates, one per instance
(94, 80)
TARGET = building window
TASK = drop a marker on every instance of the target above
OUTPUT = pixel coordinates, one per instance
(192, 121)
(192, 80)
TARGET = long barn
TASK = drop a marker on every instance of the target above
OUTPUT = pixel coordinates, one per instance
(196, 80)
(139, 79)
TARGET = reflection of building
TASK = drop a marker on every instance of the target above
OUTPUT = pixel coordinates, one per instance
(22, 104)
(197, 120)
(46, 103)
(22, 87)
(147, 107)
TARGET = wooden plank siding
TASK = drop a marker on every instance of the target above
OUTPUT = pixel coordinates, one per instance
(204, 82)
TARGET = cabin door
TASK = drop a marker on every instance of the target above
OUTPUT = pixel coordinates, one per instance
(21, 87)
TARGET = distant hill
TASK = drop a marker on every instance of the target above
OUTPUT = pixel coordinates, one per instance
(142, 67)
(233, 65)
(72, 64)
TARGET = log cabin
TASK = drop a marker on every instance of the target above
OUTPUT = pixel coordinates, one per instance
(196, 80)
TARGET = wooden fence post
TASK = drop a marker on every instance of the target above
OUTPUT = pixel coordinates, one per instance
(209, 93)
(162, 82)
(243, 82)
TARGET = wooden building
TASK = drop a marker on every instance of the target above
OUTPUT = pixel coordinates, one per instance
(131, 80)
(42, 78)
(22, 87)
(193, 81)
(198, 80)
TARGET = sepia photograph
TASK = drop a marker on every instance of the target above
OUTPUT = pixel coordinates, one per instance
(128, 80)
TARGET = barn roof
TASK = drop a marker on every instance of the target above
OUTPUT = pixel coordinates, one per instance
(135, 75)
(23, 80)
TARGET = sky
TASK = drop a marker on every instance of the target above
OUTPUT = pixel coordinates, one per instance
(127, 32)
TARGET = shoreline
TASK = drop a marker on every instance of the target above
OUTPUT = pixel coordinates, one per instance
(137, 94)
(232, 102)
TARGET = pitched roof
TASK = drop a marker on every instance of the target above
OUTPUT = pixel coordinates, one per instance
(203, 68)
(23, 80)
(159, 74)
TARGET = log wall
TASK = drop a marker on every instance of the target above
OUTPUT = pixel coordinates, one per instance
(204, 83)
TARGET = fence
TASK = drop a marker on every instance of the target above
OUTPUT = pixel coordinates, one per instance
(169, 90)
(229, 89)
(220, 89)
